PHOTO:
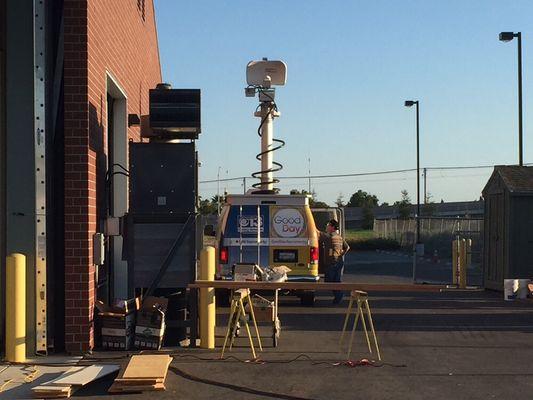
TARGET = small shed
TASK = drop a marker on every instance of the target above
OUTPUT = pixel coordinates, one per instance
(508, 226)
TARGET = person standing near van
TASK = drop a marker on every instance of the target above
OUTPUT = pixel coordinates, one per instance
(335, 247)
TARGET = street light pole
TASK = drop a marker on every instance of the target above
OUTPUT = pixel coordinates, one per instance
(507, 37)
(520, 126)
(410, 103)
(417, 174)
(418, 245)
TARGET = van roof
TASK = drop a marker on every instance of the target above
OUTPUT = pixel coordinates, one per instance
(274, 199)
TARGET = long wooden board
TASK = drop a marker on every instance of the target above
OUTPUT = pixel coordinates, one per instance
(140, 381)
(118, 388)
(366, 287)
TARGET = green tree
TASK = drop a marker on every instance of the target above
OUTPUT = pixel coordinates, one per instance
(362, 199)
(207, 206)
(404, 205)
(368, 218)
(430, 207)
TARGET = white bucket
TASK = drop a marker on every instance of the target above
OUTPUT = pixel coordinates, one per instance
(515, 289)
(509, 289)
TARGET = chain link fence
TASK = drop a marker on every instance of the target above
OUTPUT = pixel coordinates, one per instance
(436, 233)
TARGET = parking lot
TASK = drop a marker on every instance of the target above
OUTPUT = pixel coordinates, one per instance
(456, 344)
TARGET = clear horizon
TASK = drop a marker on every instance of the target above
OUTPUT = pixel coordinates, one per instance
(351, 65)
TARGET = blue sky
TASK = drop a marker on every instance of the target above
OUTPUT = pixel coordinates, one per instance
(351, 64)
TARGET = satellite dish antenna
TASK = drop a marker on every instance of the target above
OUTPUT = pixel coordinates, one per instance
(261, 76)
(257, 72)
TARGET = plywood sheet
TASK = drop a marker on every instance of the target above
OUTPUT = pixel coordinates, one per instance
(86, 375)
(68, 372)
(147, 366)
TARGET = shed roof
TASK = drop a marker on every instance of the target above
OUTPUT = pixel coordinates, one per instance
(516, 179)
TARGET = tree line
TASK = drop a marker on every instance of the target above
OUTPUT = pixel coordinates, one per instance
(360, 198)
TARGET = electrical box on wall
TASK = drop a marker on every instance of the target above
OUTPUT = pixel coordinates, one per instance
(174, 113)
(98, 249)
(162, 178)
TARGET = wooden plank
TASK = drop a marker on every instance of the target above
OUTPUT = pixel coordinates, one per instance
(147, 366)
(52, 392)
(86, 375)
(118, 388)
(326, 286)
(140, 381)
(55, 389)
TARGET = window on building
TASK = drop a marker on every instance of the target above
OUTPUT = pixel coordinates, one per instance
(140, 7)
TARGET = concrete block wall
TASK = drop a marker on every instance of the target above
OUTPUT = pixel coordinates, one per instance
(102, 38)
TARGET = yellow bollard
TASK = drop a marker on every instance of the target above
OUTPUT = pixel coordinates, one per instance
(16, 308)
(468, 253)
(455, 262)
(462, 263)
(207, 299)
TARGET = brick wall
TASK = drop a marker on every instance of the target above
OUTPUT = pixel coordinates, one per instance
(101, 37)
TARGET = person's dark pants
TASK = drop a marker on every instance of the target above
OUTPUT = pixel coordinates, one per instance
(334, 274)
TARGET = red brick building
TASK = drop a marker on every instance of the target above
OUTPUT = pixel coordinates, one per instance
(111, 60)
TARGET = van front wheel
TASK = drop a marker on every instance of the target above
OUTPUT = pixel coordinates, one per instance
(307, 299)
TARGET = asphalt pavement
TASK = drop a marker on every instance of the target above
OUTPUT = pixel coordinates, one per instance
(449, 345)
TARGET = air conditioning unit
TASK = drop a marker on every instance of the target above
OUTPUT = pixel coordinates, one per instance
(174, 113)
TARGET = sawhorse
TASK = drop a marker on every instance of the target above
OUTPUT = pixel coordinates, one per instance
(238, 314)
(362, 305)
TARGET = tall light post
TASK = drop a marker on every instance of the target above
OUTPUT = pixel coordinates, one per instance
(410, 103)
(507, 37)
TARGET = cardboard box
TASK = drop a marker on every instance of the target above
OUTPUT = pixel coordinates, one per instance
(244, 272)
(117, 323)
(150, 328)
(263, 309)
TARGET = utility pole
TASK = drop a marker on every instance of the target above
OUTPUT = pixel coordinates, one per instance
(218, 191)
(425, 186)
(309, 173)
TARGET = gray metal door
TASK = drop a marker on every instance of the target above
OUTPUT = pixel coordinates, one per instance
(495, 260)
(522, 239)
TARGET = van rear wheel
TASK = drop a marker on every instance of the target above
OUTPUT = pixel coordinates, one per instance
(307, 299)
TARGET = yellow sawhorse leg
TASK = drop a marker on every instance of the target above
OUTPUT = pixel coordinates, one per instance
(235, 325)
(372, 329)
(231, 324)
(363, 303)
(241, 305)
(252, 314)
(358, 312)
(348, 312)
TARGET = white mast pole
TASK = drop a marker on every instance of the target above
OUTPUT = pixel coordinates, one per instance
(267, 133)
